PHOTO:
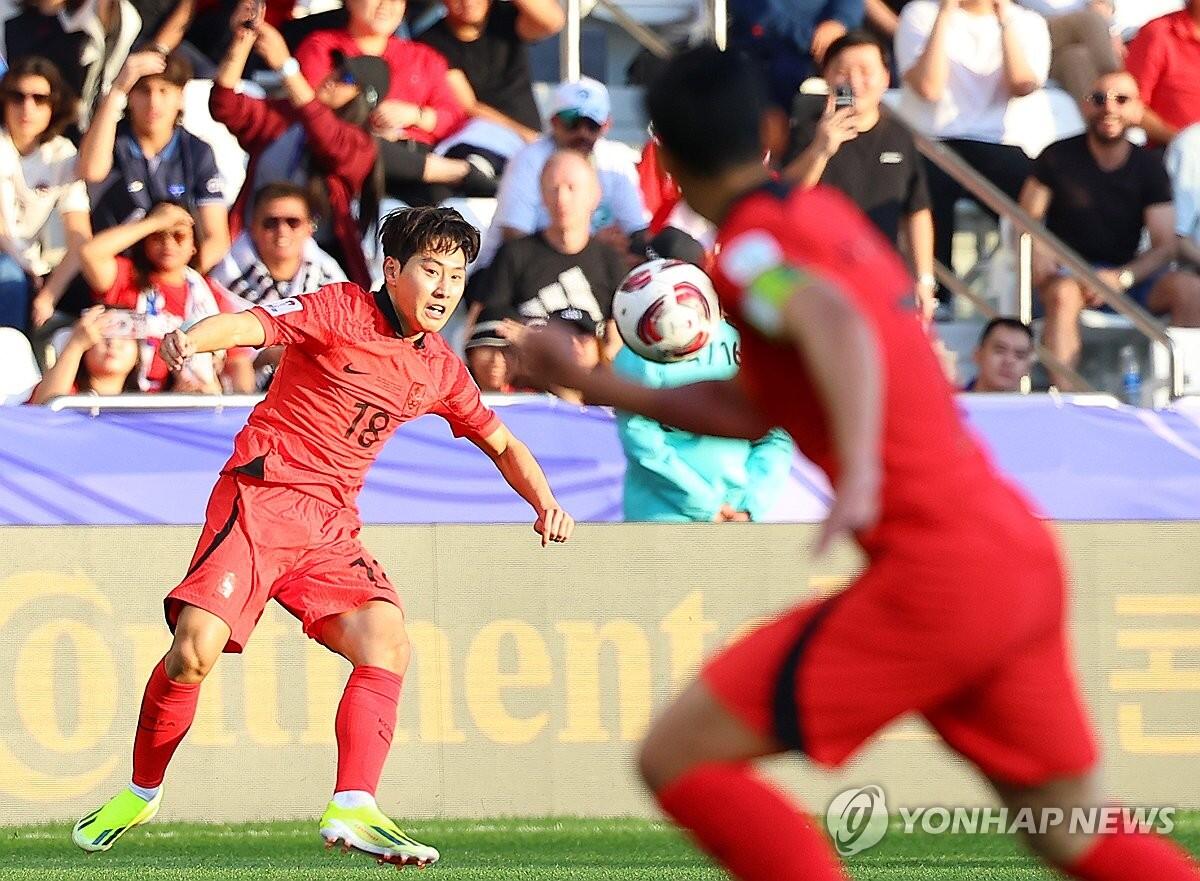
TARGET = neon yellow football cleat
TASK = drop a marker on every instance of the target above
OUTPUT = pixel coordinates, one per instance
(368, 829)
(100, 829)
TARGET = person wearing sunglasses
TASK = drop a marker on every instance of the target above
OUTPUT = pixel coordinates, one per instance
(276, 257)
(1098, 192)
(159, 281)
(38, 184)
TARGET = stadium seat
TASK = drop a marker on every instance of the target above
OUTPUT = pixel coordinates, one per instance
(18, 368)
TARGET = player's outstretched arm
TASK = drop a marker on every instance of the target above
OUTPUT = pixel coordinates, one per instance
(223, 331)
(523, 473)
(717, 408)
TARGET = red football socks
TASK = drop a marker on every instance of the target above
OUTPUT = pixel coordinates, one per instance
(365, 720)
(167, 712)
(748, 826)
(1126, 855)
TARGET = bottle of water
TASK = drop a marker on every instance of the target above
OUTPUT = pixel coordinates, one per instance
(1131, 376)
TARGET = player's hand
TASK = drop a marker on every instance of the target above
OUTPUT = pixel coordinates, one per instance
(175, 349)
(554, 524)
(547, 355)
(855, 509)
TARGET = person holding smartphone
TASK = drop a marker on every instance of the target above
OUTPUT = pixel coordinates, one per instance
(851, 146)
(100, 357)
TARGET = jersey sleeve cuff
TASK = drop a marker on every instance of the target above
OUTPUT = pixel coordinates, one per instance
(270, 333)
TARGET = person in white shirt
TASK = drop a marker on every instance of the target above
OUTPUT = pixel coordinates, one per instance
(43, 203)
(580, 116)
(962, 61)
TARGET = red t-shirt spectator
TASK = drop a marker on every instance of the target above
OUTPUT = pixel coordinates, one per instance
(1165, 58)
(418, 76)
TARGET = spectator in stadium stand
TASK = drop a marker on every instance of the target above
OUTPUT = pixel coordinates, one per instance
(276, 257)
(157, 281)
(580, 117)
(1183, 163)
(962, 61)
(1098, 192)
(485, 43)
(489, 355)
(418, 110)
(1165, 58)
(869, 157)
(38, 184)
(100, 357)
(88, 40)
(131, 163)
(1004, 356)
(789, 37)
(316, 138)
(675, 476)
(563, 265)
(1082, 41)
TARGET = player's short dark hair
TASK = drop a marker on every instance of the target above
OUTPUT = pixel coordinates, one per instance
(706, 106)
(64, 103)
(1005, 321)
(852, 40)
(409, 231)
(281, 190)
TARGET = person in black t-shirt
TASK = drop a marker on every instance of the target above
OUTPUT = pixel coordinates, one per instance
(485, 43)
(1097, 192)
(561, 266)
(869, 157)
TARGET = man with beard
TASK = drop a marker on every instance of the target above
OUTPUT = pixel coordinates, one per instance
(1097, 192)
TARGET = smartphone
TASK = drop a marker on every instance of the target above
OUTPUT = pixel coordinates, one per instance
(122, 324)
(843, 96)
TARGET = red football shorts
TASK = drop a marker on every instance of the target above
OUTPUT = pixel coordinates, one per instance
(263, 541)
(979, 650)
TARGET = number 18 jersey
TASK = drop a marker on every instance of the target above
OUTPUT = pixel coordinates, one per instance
(348, 379)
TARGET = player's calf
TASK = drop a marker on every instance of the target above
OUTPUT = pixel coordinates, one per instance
(1094, 857)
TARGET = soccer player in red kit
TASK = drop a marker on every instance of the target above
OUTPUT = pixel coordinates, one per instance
(282, 523)
(960, 613)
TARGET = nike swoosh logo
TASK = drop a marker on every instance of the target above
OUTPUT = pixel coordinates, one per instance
(349, 369)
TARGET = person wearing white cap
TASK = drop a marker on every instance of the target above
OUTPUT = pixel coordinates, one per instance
(580, 116)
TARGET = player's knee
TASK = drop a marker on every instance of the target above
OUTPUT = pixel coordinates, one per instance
(1056, 841)
(189, 661)
(392, 652)
(654, 760)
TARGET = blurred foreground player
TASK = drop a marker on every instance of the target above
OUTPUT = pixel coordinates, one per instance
(282, 523)
(960, 613)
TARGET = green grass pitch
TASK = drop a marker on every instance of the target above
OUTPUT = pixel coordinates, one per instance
(545, 850)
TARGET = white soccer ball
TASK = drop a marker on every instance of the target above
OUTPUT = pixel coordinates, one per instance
(666, 310)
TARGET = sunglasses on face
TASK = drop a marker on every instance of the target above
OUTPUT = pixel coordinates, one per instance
(573, 119)
(179, 235)
(1099, 99)
(15, 96)
(274, 223)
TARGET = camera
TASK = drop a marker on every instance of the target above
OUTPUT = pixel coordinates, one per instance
(122, 324)
(843, 96)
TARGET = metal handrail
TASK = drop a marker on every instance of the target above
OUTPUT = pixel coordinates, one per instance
(1029, 229)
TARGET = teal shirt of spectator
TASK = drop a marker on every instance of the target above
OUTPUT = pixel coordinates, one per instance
(674, 476)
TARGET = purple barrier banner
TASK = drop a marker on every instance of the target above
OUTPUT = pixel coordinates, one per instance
(1079, 462)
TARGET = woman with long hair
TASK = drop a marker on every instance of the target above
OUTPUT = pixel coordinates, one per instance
(37, 182)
